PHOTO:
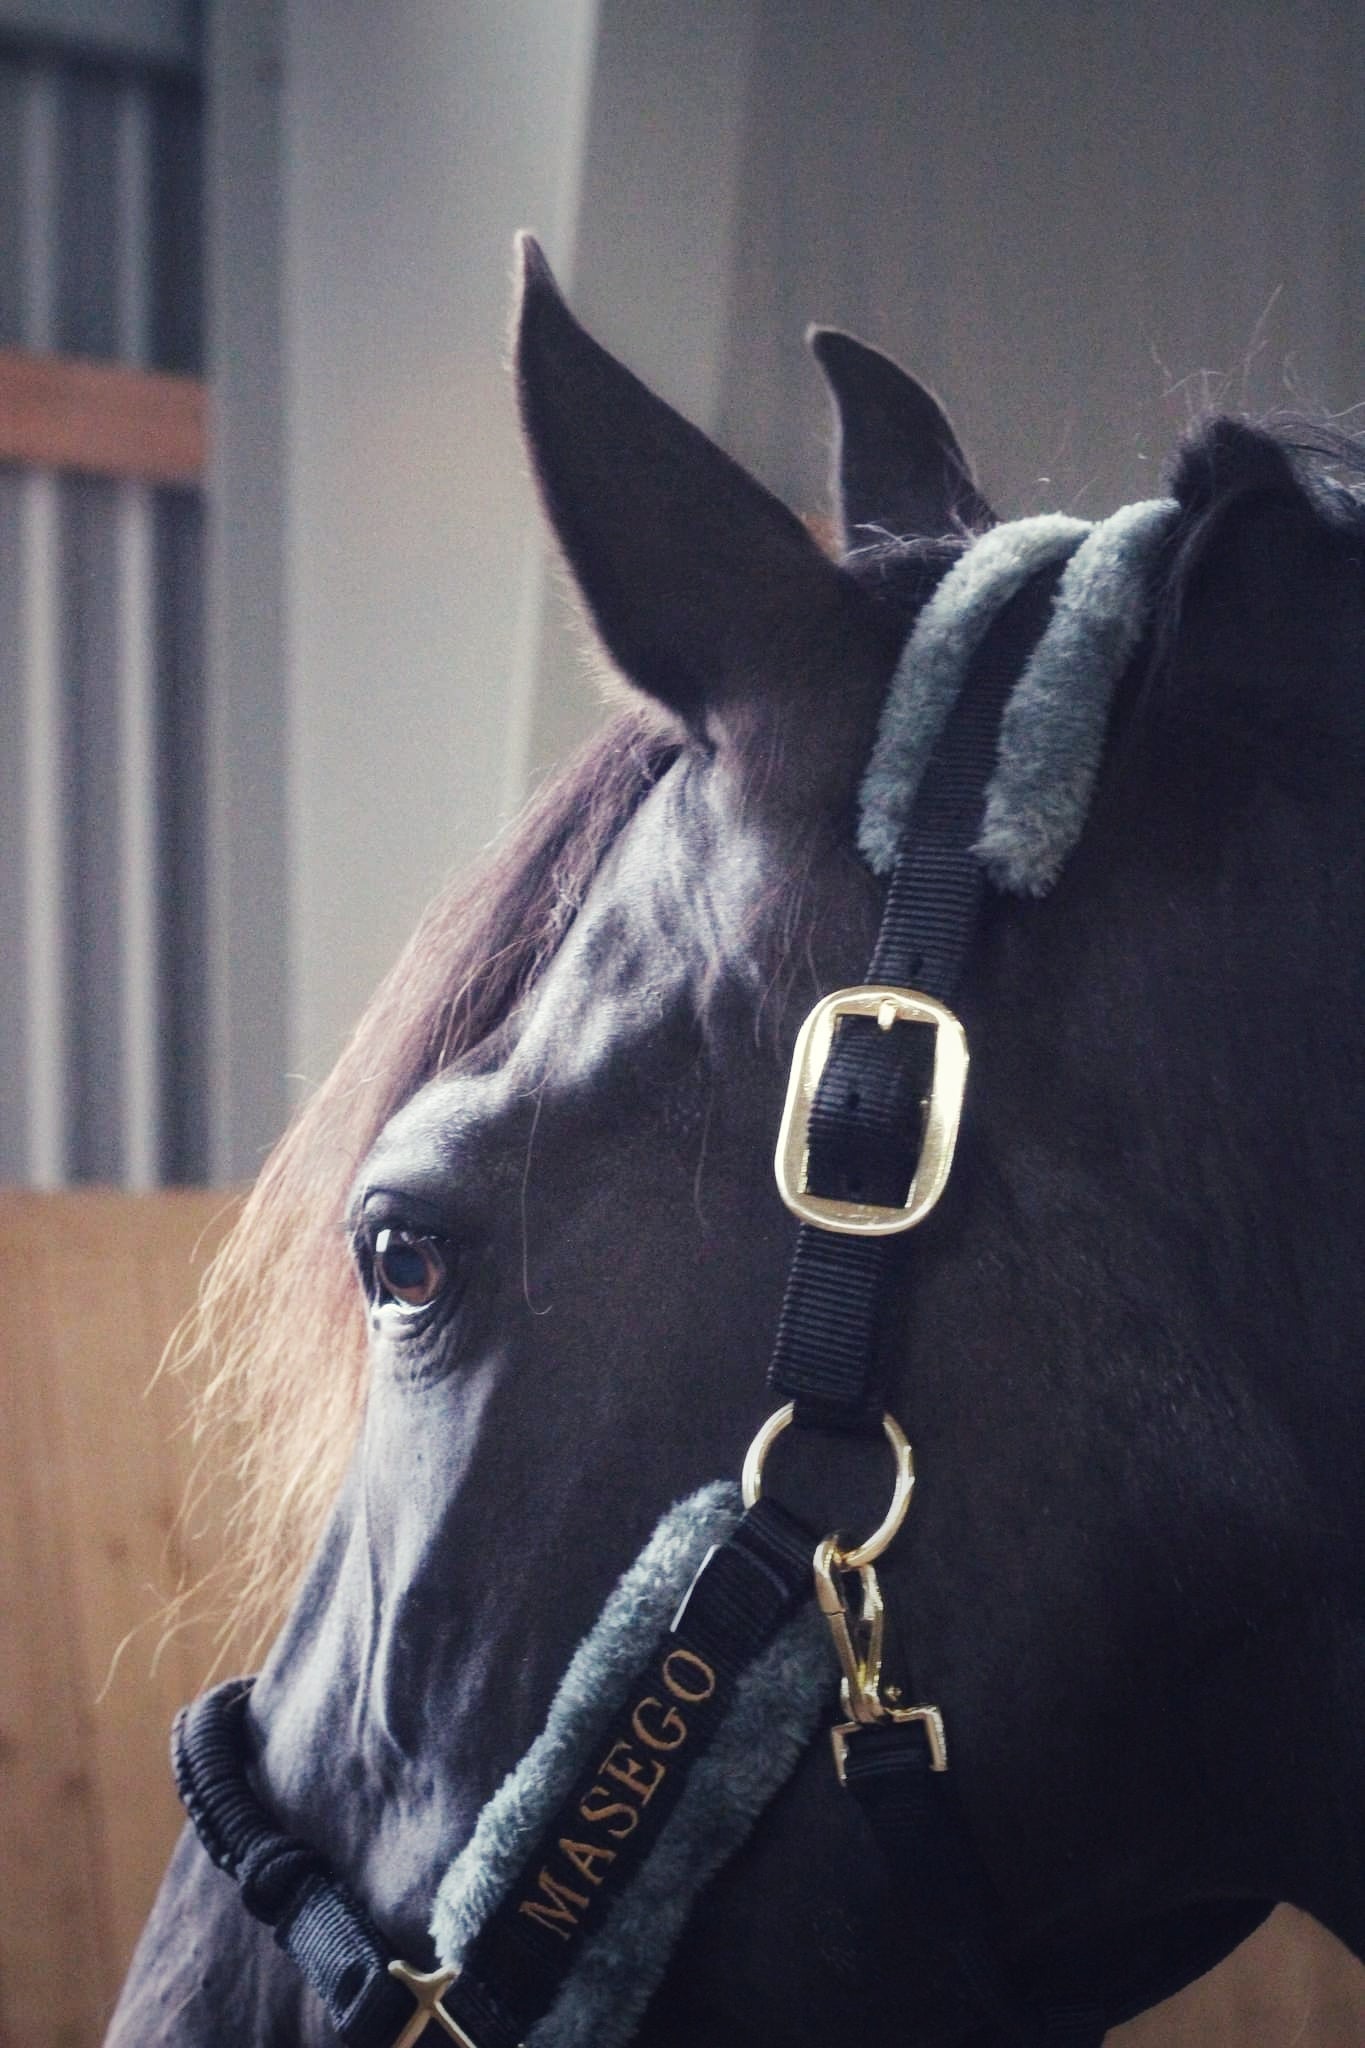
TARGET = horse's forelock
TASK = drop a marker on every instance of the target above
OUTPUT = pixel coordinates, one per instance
(277, 1339)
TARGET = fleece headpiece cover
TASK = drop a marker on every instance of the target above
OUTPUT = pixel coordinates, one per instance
(1052, 733)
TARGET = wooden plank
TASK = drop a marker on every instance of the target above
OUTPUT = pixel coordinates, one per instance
(91, 1285)
(50, 1896)
(122, 1501)
(104, 419)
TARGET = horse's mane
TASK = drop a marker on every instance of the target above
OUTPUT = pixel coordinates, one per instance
(278, 1334)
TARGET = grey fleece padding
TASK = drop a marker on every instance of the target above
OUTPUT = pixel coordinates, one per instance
(597, 1683)
(769, 1723)
(1052, 733)
(775, 1712)
(934, 662)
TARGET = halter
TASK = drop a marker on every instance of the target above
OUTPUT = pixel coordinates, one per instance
(691, 1700)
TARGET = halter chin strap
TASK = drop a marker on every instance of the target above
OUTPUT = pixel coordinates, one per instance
(640, 1786)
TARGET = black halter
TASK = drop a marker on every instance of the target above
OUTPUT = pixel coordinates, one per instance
(862, 1148)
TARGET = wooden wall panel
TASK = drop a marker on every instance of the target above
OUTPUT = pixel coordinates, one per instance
(92, 1467)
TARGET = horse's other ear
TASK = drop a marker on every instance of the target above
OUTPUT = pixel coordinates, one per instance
(699, 582)
(899, 468)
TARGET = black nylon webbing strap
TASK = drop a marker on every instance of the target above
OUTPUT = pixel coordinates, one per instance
(283, 1882)
(1059, 2001)
(929, 1855)
(864, 1141)
(865, 1125)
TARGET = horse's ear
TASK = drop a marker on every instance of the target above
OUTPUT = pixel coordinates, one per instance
(695, 576)
(900, 470)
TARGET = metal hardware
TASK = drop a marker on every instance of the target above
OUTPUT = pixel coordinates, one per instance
(933, 1728)
(853, 1559)
(428, 1987)
(858, 1644)
(942, 1113)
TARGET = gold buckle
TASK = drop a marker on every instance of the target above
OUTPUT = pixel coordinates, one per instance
(427, 1988)
(860, 1554)
(943, 1110)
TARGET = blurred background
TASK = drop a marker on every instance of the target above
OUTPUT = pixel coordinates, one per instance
(280, 648)
(281, 645)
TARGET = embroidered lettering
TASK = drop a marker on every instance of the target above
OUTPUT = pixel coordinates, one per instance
(669, 1732)
(600, 1816)
(630, 1772)
(693, 1668)
(557, 1914)
(583, 1855)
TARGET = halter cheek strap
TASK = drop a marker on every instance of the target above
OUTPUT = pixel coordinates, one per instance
(668, 1737)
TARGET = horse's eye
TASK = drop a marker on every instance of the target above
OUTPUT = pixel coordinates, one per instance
(410, 1269)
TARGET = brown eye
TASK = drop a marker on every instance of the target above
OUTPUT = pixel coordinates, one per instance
(409, 1269)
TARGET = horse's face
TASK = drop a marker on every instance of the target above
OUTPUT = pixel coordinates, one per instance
(592, 1193)
(572, 1253)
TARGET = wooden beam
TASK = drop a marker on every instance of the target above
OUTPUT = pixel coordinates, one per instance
(58, 412)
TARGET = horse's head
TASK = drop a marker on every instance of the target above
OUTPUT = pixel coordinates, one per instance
(1129, 1572)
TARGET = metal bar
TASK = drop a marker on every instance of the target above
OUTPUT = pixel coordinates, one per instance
(139, 991)
(44, 874)
(149, 32)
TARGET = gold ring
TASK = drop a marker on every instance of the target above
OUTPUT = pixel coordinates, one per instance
(751, 1484)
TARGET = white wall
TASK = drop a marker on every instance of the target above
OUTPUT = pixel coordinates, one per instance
(417, 139)
(1061, 213)
(435, 666)
(654, 260)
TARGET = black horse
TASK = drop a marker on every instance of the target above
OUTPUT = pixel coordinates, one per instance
(1132, 1572)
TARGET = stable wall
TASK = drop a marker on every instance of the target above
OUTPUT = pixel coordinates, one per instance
(94, 1463)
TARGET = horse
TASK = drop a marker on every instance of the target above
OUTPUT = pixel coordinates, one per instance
(508, 1288)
